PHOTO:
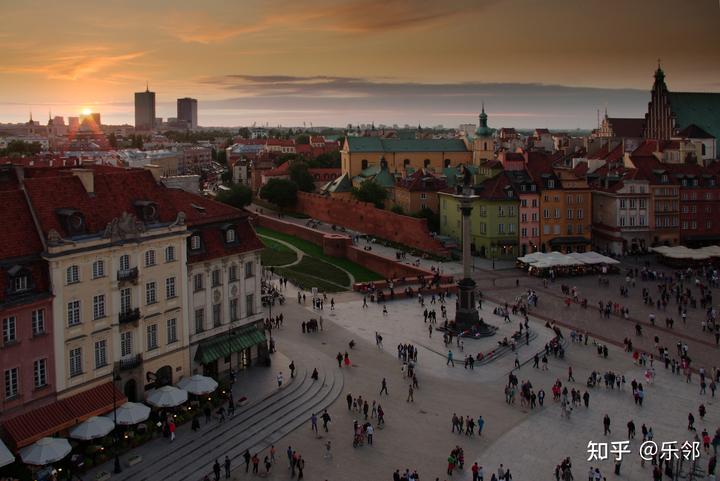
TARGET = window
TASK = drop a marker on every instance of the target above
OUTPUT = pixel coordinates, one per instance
(557, 212)
(642, 203)
(233, 310)
(631, 220)
(9, 330)
(685, 209)
(75, 358)
(20, 283)
(551, 184)
(215, 278)
(534, 216)
(199, 320)
(124, 262)
(72, 275)
(195, 242)
(250, 304)
(523, 217)
(633, 203)
(579, 213)
(98, 269)
(641, 220)
(170, 288)
(501, 228)
(483, 211)
(126, 344)
(693, 225)
(622, 220)
(511, 211)
(38, 322)
(579, 229)
(534, 202)
(125, 300)
(40, 373)
(556, 229)
(169, 253)
(511, 228)
(523, 232)
(149, 258)
(249, 270)
(546, 229)
(546, 213)
(11, 382)
(569, 199)
(198, 282)
(152, 337)
(73, 313)
(100, 353)
(230, 235)
(98, 306)
(708, 224)
(535, 231)
(483, 228)
(523, 202)
(569, 213)
(569, 229)
(217, 315)
(150, 294)
(172, 331)
(501, 211)
(232, 273)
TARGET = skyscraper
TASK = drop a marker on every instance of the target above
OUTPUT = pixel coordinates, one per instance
(144, 110)
(187, 111)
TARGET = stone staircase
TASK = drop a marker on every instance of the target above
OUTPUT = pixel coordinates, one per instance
(254, 427)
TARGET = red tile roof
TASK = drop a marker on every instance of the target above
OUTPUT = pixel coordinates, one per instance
(422, 181)
(496, 188)
(19, 237)
(627, 127)
(27, 428)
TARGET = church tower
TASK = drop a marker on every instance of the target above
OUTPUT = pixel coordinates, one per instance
(484, 141)
(659, 119)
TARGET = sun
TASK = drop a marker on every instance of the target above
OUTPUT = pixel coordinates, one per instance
(86, 111)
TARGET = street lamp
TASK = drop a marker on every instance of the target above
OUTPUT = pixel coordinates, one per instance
(115, 377)
(492, 249)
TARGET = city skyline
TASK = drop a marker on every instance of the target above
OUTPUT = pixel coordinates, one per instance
(331, 63)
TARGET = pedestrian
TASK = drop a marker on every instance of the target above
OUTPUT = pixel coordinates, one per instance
(369, 431)
(300, 467)
(410, 394)
(570, 374)
(280, 379)
(606, 424)
(207, 410)
(246, 457)
(328, 452)
(255, 463)
(227, 467)
(313, 424)
(450, 359)
(326, 419)
(268, 465)
(383, 387)
(216, 470)
(349, 400)
(480, 425)
(292, 370)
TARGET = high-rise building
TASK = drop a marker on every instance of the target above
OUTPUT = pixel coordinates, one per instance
(144, 110)
(187, 111)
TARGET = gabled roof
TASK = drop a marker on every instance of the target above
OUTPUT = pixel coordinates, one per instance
(339, 185)
(422, 181)
(701, 109)
(651, 169)
(627, 127)
(692, 131)
(376, 144)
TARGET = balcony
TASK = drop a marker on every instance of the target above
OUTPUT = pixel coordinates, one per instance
(127, 275)
(128, 316)
(129, 362)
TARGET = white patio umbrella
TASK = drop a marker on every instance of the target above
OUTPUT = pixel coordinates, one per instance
(94, 427)
(6, 457)
(130, 413)
(198, 384)
(167, 397)
(45, 451)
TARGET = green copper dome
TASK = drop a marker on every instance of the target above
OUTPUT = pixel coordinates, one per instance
(483, 130)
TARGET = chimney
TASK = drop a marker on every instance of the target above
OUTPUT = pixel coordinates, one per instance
(156, 171)
(87, 179)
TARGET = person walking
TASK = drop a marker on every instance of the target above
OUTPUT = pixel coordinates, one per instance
(227, 467)
(410, 394)
(300, 466)
(255, 463)
(280, 379)
(246, 457)
(369, 431)
(313, 424)
(450, 359)
(570, 374)
(292, 369)
(384, 388)
(606, 425)
(325, 419)
(216, 470)
(328, 450)
(171, 428)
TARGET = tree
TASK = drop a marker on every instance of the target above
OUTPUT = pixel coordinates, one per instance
(433, 219)
(326, 160)
(302, 139)
(238, 196)
(370, 191)
(226, 177)
(244, 132)
(397, 209)
(281, 192)
(300, 174)
(112, 140)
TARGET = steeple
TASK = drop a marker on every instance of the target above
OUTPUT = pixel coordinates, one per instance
(659, 74)
(147, 86)
(483, 130)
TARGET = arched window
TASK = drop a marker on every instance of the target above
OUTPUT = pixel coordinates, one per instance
(484, 145)
(364, 164)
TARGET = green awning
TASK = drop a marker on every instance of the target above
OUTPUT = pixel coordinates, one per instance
(225, 344)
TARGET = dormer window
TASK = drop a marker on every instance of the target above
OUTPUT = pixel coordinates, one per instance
(195, 242)
(551, 184)
(146, 210)
(230, 235)
(20, 284)
(73, 221)
(19, 280)
(664, 178)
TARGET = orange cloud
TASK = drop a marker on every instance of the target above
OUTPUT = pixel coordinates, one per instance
(74, 67)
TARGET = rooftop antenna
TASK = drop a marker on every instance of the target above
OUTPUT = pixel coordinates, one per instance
(147, 86)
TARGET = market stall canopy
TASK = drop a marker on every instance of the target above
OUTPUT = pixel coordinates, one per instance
(684, 253)
(45, 451)
(95, 427)
(27, 428)
(130, 413)
(198, 384)
(6, 457)
(167, 397)
(592, 258)
(548, 260)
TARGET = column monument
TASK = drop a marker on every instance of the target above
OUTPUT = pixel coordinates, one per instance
(466, 314)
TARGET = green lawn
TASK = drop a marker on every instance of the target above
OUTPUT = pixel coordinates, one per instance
(276, 254)
(314, 267)
(306, 281)
(360, 273)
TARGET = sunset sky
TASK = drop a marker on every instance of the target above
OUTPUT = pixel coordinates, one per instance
(534, 63)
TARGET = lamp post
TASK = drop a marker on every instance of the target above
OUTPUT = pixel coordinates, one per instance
(115, 377)
(492, 249)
